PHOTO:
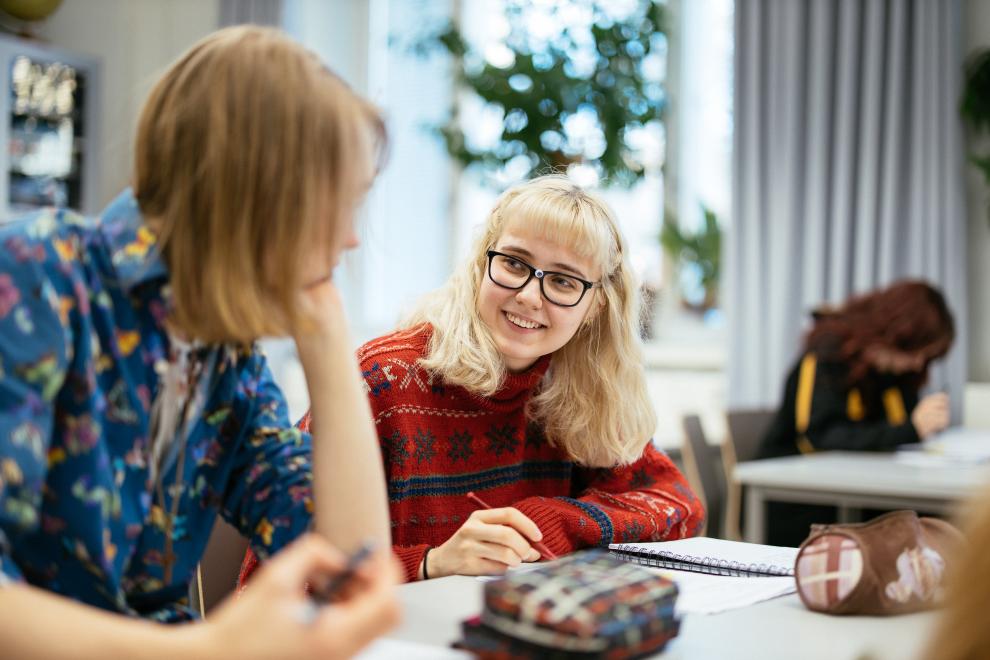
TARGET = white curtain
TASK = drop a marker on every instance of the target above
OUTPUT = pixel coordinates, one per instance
(848, 172)
(258, 12)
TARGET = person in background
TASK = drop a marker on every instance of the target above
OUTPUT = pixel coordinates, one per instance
(135, 405)
(522, 380)
(857, 386)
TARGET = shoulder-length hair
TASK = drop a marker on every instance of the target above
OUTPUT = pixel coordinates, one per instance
(249, 152)
(908, 316)
(593, 401)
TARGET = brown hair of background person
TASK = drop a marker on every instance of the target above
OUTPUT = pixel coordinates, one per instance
(909, 318)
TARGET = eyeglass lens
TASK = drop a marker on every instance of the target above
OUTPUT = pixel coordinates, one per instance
(512, 273)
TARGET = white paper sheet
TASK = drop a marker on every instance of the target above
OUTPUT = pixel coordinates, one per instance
(710, 594)
(390, 649)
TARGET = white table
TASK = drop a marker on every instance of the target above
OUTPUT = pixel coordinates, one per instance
(777, 629)
(851, 480)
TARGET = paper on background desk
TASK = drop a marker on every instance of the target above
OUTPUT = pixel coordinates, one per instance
(953, 447)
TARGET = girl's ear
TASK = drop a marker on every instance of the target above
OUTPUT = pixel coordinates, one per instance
(594, 310)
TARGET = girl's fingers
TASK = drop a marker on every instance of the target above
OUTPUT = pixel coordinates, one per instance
(352, 625)
(506, 536)
(311, 557)
(513, 518)
(499, 553)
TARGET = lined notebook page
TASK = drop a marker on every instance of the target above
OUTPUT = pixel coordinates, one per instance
(700, 547)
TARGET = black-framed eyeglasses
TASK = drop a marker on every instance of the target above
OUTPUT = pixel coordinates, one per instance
(561, 289)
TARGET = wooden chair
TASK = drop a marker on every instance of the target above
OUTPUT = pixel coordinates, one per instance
(746, 431)
(219, 567)
(702, 472)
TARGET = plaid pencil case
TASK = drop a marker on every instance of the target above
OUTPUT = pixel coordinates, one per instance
(587, 605)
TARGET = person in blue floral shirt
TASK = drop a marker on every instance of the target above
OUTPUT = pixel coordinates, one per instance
(134, 405)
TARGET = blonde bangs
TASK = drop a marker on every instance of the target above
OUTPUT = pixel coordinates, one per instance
(581, 224)
(593, 402)
(249, 153)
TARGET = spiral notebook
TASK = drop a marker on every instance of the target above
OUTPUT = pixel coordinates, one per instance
(712, 556)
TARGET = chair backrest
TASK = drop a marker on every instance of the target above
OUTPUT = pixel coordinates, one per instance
(220, 565)
(703, 472)
(747, 429)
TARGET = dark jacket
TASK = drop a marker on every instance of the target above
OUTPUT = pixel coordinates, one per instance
(873, 416)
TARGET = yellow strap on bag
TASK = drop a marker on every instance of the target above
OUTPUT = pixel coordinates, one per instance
(802, 409)
(893, 404)
(854, 405)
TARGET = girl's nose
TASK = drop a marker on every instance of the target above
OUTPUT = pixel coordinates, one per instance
(530, 294)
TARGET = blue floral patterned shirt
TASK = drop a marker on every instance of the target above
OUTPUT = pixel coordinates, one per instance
(82, 347)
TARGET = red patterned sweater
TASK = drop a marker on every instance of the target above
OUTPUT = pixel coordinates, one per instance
(439, 442)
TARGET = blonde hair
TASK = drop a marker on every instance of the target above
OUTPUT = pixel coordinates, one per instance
(593, 402)
(962, 632)
(249, 152)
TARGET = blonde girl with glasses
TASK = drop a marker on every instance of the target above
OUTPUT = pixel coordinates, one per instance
(522, 381)
(135, 406)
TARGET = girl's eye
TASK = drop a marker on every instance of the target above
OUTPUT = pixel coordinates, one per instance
(561, 282)
(513, 264)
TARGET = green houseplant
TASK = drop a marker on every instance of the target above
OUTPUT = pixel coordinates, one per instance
(596, 70)
(974, 106)
(700, 251)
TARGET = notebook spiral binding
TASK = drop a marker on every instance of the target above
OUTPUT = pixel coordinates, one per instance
(709, 565)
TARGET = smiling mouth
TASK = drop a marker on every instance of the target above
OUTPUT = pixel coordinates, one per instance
(522, 323)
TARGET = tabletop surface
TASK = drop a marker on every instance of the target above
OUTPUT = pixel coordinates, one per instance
(781, 628)
(863, 472)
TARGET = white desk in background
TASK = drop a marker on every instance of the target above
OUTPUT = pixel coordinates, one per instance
(778, 629)
(852, 480)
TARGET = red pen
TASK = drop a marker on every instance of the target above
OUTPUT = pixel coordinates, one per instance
(544, 550)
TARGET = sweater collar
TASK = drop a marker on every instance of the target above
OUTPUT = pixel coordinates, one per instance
(517, 387)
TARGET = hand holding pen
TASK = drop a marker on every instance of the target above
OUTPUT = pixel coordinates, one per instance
(488, 543)
(543, 550)
(275, 617)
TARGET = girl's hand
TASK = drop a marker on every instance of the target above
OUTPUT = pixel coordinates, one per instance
(931, 415)
(273, 618)
(322, 308)
(488, 543)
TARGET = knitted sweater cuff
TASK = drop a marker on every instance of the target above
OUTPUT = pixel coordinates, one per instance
(411, 556)
(551, 521)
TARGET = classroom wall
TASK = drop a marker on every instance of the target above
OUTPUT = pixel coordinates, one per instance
(135, 40)
(976, 15)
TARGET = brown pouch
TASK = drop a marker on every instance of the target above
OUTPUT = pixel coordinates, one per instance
(893, 564)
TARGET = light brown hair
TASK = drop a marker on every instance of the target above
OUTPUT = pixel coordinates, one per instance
(249, 152)
(962, 632)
